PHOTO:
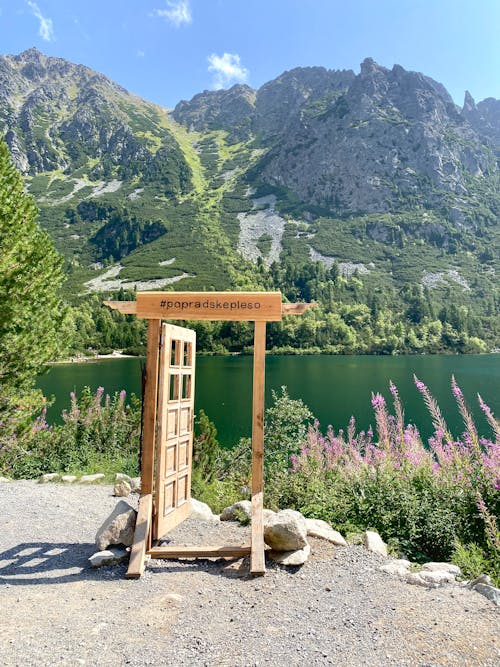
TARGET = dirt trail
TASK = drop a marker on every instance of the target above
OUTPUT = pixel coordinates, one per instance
(337, 609)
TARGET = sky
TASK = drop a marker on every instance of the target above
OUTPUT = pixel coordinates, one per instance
(169, 50)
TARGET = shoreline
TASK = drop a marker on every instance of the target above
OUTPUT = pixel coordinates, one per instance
(82, 359)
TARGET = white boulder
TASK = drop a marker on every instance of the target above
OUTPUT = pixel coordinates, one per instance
(374, 543)
(233, 513)
(286, 531)
(118, 528)
(108, 557)
(297, 557)
(122, 489)
(323, 530)
(201, 510)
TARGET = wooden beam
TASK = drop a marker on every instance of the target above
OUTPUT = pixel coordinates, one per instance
(200, 552)
(150, 405)
(257, 560)
(124, 307)
(130, 308)
(141, 535)
(226, 306)
(296, 308)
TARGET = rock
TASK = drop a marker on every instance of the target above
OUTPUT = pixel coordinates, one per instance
(234, 512)
(122, 489)
(297, 557)
(4, 479)
(49, 477)
(482, 579)
(415, 579)
(174, 597)
(489, 592)
(286, 531)
(267, 515)
(323, 530)
(374, 543)
(118, 528)
(442, 567)
(90, 479)
(69, 479)
(108, 557)
(437, 576)
(200, 510)
(135, 484)
(395, 568)
(120, 476)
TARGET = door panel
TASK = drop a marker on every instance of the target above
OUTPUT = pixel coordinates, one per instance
(175, 428)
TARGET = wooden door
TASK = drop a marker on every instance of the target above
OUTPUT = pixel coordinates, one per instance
(174, 441)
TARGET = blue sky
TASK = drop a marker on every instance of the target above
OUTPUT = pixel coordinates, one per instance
(168, 50)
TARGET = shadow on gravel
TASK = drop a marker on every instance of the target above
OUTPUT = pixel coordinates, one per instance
(32, 563)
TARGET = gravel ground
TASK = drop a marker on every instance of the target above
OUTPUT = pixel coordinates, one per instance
(335, 610)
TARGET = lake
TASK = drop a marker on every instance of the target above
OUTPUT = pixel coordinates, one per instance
(334, 387)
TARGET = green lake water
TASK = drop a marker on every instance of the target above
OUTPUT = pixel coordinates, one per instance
(333, 387)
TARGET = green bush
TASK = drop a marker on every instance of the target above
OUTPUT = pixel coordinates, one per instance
(99, 434)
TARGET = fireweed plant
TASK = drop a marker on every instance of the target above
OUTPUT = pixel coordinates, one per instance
(435, 501)
(99, 433)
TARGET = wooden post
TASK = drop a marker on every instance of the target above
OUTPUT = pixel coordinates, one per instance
(141, 535)
(257, 559)
(150, 404)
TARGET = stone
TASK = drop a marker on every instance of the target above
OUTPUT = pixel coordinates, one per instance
(90, 479)
(489, 592)
(135, 484)
(482, 579)
(118, 528)
(415, 579)
(49, 477)
(323, 530)
(442, 567)
(120, 476)
(395, 568)
(174, 597)
(437, 576)
(286, 531)
(108, 557)
(374, 543)
(297, 557)
(200, 510)
(122, 489)
(267, 515)
(3, 480)
(233, 513)
(69, 479)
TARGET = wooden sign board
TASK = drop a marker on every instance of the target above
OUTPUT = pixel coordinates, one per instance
(229, 306)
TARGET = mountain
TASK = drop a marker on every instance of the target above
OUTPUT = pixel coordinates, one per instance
(377, 175)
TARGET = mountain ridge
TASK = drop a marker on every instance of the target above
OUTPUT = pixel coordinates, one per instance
(364, 172)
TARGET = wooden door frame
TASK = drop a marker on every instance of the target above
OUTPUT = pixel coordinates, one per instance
(259, 307)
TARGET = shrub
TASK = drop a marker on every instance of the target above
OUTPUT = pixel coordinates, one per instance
(424, 500)
(99, 433)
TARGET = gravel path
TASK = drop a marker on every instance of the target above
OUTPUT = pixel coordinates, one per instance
(335, 610)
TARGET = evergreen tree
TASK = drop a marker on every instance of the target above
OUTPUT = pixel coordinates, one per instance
(31, 312)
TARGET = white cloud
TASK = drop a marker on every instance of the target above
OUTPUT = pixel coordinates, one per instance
(177, 12)
(46, 28)
(227, 69)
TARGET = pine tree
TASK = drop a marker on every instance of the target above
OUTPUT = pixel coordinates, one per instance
(31, 311)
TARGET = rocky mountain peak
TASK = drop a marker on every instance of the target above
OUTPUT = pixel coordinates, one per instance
(469, 103)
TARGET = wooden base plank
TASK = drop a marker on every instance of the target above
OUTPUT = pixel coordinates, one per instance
(200, 552)
(257, 558)
(141, 535)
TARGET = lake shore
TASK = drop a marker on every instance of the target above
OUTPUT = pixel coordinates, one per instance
(82, 359)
